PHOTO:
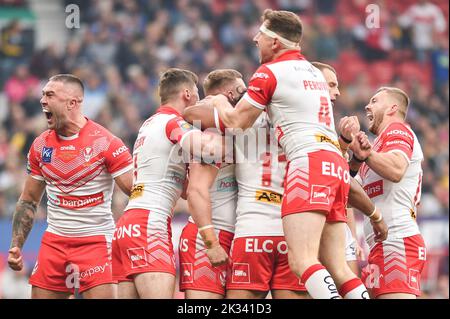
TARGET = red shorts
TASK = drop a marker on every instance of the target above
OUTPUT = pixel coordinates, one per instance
(319, 181)
(142, 243)
(66, 263)
(196, 271)
(394, 266)
(261, 263)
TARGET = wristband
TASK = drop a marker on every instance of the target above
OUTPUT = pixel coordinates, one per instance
(359, 160)
(379, 219)
(205, 227)
(347, 141)
(373, 213)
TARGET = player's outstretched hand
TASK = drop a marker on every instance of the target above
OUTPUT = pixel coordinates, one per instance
(380, 229)
(15, 260)
(217, 255)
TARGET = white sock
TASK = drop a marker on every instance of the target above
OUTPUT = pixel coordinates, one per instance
(354, 289)
(319, 283)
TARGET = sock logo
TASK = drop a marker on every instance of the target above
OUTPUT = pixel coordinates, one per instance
(331, 286)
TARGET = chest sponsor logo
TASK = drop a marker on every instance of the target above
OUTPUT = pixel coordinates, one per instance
(399, 132)
(320, 194)
(374, 189)
(87, 153)
(227, 184)
(267, 196)
(77, 202)
(240, 273)
(67, 153)
(47, 153)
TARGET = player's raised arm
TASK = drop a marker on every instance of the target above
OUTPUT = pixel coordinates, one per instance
(201, 113)
(23, 219)
(242, 116)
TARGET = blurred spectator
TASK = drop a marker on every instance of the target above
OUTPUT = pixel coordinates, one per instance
(426, 21)
(20, 84)
(12, 49)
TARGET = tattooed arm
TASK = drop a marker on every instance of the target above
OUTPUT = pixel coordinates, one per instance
(23, 219)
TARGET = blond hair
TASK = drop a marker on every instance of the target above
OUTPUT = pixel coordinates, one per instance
(322, 66)
(217, 79)
(399, 95)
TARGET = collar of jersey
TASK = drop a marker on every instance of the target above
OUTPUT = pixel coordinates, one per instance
(288, 55)
(167, 109)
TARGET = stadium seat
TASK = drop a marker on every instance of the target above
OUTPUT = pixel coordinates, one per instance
(381, 73)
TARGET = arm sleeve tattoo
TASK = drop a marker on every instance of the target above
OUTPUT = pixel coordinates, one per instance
(22, 222)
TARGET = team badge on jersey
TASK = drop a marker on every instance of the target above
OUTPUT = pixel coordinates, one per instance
(87, 153)
(47, 154)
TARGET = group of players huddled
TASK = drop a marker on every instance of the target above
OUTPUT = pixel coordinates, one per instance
(268, 180)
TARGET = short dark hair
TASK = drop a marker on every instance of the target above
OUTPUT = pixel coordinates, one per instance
(171, 80)
(216, 79)
(322, 66)
(68, 78)
(285, 23)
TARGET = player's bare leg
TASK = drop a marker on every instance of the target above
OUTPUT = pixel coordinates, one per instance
(197, 294)
(41, 293)
(289, 294)
(332, 255)
(155, 285)
(303, 232)
(106, 291)
(127, 290)
(245, 294)
(354, 266)
(397, 296)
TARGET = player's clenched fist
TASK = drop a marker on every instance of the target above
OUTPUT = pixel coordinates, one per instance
(217, 255)
(349, 126)
(15, 260)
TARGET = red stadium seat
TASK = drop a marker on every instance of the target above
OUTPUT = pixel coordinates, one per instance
(381, 73)
(349, 67)
(412, 71)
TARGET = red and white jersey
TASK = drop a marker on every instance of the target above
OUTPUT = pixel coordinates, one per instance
(295, 95)
(260, 185)
(159, 163)
(223, 196)
(79, 172)
(396, 201)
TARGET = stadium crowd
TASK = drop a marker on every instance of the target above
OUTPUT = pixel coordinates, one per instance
(122, 48)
